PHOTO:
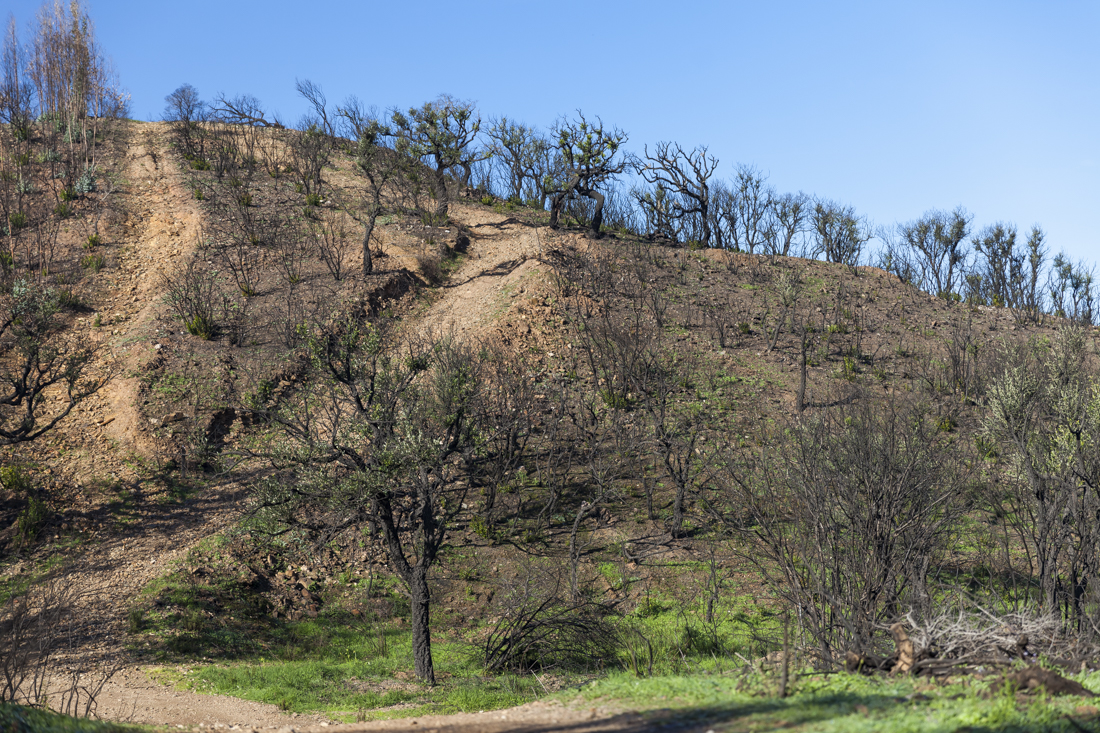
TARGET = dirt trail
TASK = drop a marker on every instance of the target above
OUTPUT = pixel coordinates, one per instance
(163, 224)
(502, 256)
(157, 226)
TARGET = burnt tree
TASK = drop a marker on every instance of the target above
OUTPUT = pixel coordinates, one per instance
(588, 158)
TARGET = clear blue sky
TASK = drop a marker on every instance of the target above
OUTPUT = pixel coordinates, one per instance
(892, 107)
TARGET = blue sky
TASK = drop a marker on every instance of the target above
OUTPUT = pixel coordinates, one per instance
(892, 107)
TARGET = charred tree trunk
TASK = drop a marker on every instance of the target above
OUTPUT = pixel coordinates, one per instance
(557, 202)
(368, 261)
(800, 399)
(420, 601)
(676, 528)
(442, 197)
(597, 215)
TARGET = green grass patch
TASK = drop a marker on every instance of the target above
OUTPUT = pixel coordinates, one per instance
(22, 719)
(836, 702)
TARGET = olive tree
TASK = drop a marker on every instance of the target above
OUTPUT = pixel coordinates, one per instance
(1043, 416)
(838, 233)
(743, 209)
(787, 219)
(383, 435)
(522, 152)
(1071, 290)
(1007, 274)
(185, 111)
(588, 157)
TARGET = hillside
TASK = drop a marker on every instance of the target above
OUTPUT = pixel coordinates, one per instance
(632, 383)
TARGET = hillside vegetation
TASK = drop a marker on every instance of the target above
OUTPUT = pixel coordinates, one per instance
(403, 413)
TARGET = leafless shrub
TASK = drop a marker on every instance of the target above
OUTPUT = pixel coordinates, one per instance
(293, 249)
(192, 293)
(846, 518)
(35, 626)
(971, 636)
(244, 259)
(430, 265)
(540, 627)
(330, 235)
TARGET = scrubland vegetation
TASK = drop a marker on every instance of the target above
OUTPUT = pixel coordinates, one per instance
(732, 448)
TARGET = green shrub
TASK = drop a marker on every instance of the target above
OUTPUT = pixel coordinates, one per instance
(482, 528)
(63, 210)
(22, 159)
(201, 326)
(92, 242)
(49, 155)
(487, 200)
(614, 400)
(34, 514)
(86, 183)
(245, 200)
(7, 262)
(18, 220)
(200, 164)
(313, 199)
(135, 620)
(987, 447)
(67, 194)
(93, 262)
(69, 298)
(199, 196)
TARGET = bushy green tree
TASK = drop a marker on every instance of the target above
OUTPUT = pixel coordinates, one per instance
(1043, 411)
(383, 435)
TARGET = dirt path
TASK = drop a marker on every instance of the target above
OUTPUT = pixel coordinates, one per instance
(502, 257)
(132, 696)
(157, 226)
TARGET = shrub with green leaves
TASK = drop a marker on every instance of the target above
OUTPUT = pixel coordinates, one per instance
(86, 183)
(93, 262)
(34, 514)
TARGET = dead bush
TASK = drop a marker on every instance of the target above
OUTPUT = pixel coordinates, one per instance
(539, 627)
(430, 265)
(36, 625)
